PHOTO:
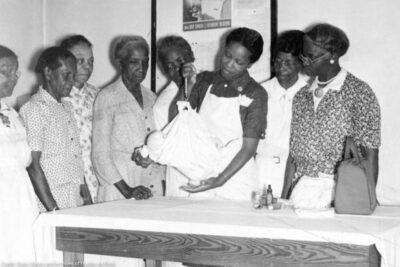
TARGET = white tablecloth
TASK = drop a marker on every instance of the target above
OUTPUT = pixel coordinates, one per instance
(233, 218)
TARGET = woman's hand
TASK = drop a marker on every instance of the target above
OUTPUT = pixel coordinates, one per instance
(140, 192)
(85, 194)
(351, 150)
(139, 159)
(189, 73)
(204, 185)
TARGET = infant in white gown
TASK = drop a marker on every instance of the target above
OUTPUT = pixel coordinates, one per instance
(186, 144)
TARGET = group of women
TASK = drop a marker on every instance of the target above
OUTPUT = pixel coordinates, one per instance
(293, 127)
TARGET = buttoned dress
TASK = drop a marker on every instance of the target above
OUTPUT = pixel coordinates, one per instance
(82, 106)
(18, 208)
(51, 130)
(272, 152)
(119, 126)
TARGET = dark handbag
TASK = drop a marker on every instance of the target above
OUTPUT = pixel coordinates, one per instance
(355, 190)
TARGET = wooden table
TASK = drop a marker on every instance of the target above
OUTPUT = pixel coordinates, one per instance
(212, 232)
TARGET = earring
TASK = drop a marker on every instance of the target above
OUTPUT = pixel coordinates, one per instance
(331, 61)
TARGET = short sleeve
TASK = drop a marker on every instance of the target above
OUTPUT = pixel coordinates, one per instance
(199, 90)
(255, 115)
(367, 118)
(33, 118)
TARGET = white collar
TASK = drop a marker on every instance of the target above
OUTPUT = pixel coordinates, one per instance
(292, 90)
(335, 85)
(3, 106)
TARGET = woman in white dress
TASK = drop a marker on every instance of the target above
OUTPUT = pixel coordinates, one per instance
(273, 151)
(173, 52)
(18, 208)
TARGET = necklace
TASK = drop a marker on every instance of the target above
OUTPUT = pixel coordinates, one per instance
(328, 81)
(319, 91)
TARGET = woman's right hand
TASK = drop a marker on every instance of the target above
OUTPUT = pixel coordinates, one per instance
(140, 192)
(189, 73)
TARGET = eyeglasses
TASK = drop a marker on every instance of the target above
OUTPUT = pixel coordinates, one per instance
(287, 62)
(308, 61)
(13, 75)
(175, 65)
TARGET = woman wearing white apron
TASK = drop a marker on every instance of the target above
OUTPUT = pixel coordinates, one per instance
(173, 52)
(234, 107)
(272, 152)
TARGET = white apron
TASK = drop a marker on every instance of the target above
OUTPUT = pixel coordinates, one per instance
(222, 117)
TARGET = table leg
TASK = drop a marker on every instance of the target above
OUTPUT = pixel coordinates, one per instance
(72, 259)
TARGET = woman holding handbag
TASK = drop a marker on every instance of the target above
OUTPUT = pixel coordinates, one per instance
(335, 106)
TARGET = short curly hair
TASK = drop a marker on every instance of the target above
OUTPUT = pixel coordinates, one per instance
(6, 52)
(51, 57)
(330, 38)
(74, 40)
(173, 41)
(290, 42)
(124, 43)
(250, 39)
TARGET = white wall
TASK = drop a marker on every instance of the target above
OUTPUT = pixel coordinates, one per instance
(100, 21)
(373, 29)
(371, 25)
(21, 30)
(206, 43)
(28, 26)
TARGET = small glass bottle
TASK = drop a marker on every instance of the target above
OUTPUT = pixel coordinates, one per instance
(269, 197)
(263, 197)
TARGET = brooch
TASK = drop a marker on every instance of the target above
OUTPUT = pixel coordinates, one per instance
(244, 100)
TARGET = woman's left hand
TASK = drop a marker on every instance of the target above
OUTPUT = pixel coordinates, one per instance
(204, 185)
(138, 158)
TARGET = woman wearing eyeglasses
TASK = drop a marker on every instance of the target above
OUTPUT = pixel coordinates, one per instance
(273, 151)
(337, 108)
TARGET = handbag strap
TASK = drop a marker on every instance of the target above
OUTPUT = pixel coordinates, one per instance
(351, 149)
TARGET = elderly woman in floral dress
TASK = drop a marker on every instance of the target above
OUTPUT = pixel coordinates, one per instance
(82, 97)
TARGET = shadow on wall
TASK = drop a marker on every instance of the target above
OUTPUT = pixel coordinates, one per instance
(112, 61)
(221, 48)
(22, 99)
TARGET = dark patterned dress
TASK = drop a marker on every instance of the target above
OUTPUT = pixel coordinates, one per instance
(318, 135)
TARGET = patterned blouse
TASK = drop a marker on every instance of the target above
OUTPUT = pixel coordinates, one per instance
(51, 129)
(349, 108)
(82, 103)
(253, 117)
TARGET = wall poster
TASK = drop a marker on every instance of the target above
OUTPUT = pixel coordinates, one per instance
(206, 14)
